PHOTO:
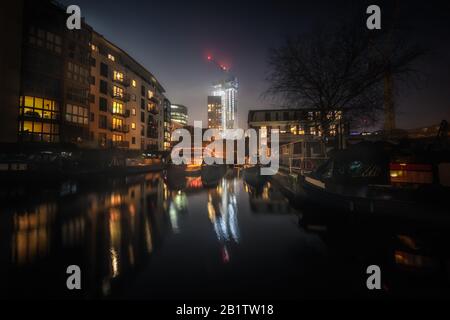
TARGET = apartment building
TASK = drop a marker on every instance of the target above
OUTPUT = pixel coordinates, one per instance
(167, 124)
(11, 30)
(127, 102)
(178, 116)
(75, 87)
(215, 112)
(294, 123)
(53, 101)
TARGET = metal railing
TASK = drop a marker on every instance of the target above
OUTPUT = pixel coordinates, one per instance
(125, 97)
(301, 164)
(122, 128)
(124, 82)
(123, 113)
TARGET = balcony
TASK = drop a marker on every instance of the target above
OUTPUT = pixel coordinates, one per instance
(153, 110)
(125, 97)
(155, 100)
(123, 113)
(124, 82)
(121, 129)
(121, 144)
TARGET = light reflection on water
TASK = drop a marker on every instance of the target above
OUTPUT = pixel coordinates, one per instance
(107, 228)
(161, 236)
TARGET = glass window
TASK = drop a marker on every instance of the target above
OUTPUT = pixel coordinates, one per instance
(104, 70)
(117, 123)
(38, 103)
(118, 76)
(28, 126)
(117, 107)
(102, 121)
(118, 92)
(103, 87)
(103, 104)
(29, 102)
(77, 114)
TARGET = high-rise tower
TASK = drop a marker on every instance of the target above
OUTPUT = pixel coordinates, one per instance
(227, 91)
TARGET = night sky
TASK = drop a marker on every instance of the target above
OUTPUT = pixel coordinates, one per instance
(173, 38)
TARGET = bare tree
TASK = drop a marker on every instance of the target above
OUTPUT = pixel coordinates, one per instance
(340, 69)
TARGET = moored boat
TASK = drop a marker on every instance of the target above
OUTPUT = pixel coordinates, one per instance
(370, 179)
(252, 175)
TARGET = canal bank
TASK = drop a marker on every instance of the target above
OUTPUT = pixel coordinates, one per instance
(20, 163)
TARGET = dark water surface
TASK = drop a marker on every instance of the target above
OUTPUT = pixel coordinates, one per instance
(158, 236)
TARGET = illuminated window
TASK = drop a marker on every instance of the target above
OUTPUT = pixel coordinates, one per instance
(38, 108)
(133, 83)
(133, 111)
(263, 131)
(333, 130)
(94, 48)
(117, 138)
(37, 115)
(117, 107)
(151, 107)
(294, 129)
(118, 76)
(118, 92)
(117, 123)
(111, 57)
(133, 126)
(150, 94)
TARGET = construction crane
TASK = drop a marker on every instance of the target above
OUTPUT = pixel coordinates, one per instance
(221, 67)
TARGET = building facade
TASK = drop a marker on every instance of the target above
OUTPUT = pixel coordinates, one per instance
(126, 100)
(167, 124)
(215, 112)
(294, 123)
(227, 90)
(179, 116)
(54, 77)
(11, 30)
(75, 86)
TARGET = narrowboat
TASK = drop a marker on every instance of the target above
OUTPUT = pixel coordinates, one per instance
(382, 179)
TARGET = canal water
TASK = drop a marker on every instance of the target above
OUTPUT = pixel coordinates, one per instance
(169, 236)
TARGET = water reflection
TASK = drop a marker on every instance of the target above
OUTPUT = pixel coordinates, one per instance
(108, 228)
(118, 229)
(221, 205)
(268, 199)
(222, 212)
(414, 259)
(32, 233)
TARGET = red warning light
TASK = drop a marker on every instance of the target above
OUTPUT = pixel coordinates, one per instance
(209, 58)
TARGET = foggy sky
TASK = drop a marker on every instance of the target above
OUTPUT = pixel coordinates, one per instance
(173, 38)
